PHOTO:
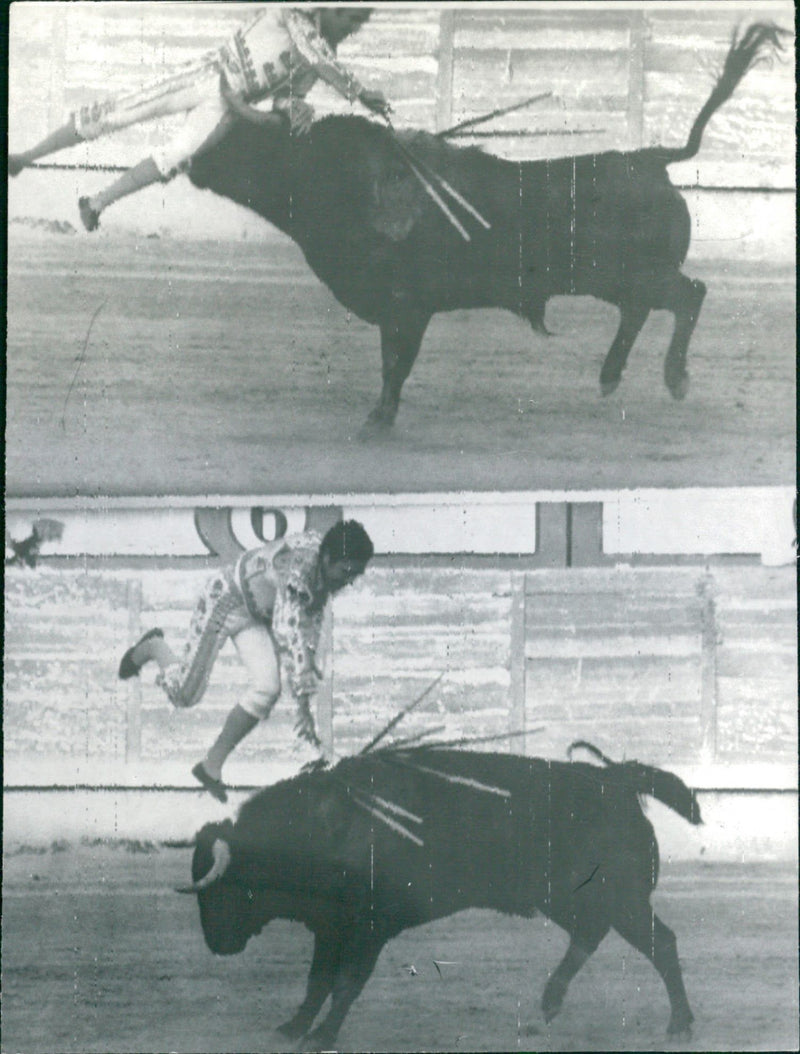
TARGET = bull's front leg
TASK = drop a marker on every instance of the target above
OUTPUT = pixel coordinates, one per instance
(357, 963)
(401, 337)
(327, 952)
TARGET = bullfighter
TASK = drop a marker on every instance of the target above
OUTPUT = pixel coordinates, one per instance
(271, 604)
(280, 53)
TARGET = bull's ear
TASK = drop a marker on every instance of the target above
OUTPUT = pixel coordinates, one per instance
(208, 834)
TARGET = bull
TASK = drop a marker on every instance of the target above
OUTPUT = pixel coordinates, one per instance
(403, 836)
(608, 225)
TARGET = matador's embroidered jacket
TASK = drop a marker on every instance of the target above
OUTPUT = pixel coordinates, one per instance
(281, 53)
(280, 584)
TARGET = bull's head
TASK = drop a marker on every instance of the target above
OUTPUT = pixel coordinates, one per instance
(228, 908)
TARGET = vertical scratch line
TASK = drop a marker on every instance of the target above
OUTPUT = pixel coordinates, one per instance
(80, 361)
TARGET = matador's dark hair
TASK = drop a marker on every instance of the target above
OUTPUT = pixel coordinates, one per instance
(347, 540)
(363, 11)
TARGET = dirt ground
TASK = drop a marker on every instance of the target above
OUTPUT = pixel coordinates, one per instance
(153, 366)
(99, 954)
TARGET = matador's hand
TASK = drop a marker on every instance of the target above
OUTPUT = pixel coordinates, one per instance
(300, 114)
(304, 726)
(306, 683)
(375, 101)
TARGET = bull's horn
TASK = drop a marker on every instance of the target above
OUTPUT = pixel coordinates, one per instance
(222, 858)
(237, 104)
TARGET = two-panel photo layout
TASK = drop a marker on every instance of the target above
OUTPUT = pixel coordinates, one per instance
(400, 594)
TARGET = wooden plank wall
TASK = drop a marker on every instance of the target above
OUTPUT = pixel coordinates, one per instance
(616, 658)
(620, 77)
(582, 57)
(623, 78)
(676, 665)
(756, 665)
(394, 640)
(61, 633)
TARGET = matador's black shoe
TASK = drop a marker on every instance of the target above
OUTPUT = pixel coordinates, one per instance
(216, 788)
(128, 667)
(90, 217)
(15, 164)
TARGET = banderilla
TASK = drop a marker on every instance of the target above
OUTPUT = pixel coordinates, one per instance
(432, 183)
(430, 179)
(472, 121)
(400, 715)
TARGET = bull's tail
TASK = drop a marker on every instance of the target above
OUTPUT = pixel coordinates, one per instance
(646, 779)
(759, 39)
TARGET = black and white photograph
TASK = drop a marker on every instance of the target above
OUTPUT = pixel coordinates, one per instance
(400, 588)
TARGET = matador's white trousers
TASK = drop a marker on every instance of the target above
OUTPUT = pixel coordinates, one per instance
(220, 613)
(193, 90)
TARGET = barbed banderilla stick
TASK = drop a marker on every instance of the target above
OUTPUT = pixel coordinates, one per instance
(454, 194)
(471, 122)
(430, 190)
(408, 741)
(442, 743)
(399, 716)
(430, 179)
(432, 183)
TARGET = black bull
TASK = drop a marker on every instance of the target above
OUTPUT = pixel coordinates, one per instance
(398, 838)
(609, 225)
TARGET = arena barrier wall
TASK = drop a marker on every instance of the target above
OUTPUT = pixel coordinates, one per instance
(689, 667)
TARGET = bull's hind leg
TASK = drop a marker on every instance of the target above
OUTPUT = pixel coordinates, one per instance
(401, 337)
(632, 317)
(556, 988)
(647, 933)
(684, 298)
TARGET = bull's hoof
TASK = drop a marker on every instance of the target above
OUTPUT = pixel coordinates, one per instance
(678, 386)
(609, 386)
(551, 1001)
(679, 1035)
(293, 1029)
(374, 428)
(549, 1012)
(317, 1041)
(680, 1027)
(682, 1035)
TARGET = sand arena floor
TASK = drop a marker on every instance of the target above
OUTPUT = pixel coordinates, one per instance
(100, 955)
(229, 369)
